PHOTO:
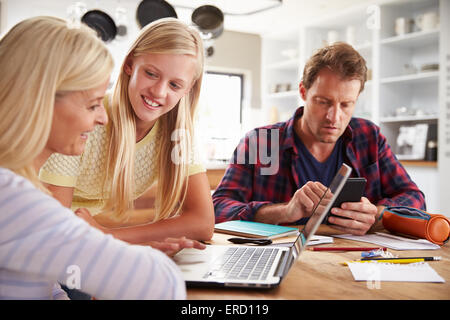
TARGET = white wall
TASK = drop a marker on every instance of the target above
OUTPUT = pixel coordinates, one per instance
(241, 53)
(236, 50)
(232, 49)
(444, 106)
(17, 10)
(427, 179)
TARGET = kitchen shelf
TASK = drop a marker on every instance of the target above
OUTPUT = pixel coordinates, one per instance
(363, 47)
(284, 94)
(280, 75)
(408, 118)
(419, 163)
(412, 78)
(414, 39)
(284, 65)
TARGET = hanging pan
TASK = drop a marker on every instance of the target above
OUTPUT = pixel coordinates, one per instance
(209, 19)
(151, 10)
(102, 23)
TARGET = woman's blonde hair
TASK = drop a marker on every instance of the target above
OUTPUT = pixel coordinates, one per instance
(164, 36)
(41, 57)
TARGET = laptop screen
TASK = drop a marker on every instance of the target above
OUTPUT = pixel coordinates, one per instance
(322, 208)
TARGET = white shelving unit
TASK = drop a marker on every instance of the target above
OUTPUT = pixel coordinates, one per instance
(280, 76)
(404, 83)
(405, 87)
(400, 90)
(350, 26)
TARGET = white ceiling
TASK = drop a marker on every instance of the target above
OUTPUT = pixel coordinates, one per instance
(290, 15)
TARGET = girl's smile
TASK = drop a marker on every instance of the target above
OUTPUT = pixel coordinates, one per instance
(157, 83)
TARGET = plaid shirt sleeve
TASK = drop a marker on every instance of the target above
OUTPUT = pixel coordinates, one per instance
(232, 198)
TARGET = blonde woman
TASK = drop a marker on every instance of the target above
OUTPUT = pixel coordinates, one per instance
(148, 142)
(53, 82)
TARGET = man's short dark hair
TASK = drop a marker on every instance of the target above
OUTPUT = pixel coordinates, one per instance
(340, 58)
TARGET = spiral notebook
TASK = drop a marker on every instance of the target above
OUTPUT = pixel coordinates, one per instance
(413, 272)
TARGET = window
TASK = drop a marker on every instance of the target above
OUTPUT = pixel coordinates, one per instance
(219, 117)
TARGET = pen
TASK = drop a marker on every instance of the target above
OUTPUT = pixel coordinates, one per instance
(387, 260)
(405, 258)
(344, 249)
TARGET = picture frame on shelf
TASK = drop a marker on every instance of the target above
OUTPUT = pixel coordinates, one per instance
(412, 142)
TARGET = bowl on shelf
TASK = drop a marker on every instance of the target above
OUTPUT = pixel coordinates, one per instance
(429, 67)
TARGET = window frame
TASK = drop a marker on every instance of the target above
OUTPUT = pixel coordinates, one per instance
(242, 79)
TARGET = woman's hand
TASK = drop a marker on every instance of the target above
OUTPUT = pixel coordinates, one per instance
(171, 246)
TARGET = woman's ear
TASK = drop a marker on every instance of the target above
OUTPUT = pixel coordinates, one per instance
(128, 66)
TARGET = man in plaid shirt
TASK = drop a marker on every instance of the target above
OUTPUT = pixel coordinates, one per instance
(307, 150)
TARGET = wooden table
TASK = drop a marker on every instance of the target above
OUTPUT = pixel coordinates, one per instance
(319, 275)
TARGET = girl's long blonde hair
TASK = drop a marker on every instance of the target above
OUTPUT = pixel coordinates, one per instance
(164, 36)
(39, 58)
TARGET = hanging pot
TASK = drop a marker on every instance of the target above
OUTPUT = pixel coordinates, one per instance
(151, 10)
(102, 23)
(209, 19)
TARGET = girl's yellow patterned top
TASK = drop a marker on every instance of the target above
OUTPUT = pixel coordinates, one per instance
(86, 172)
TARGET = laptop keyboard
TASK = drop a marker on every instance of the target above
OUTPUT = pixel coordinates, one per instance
(243, 264)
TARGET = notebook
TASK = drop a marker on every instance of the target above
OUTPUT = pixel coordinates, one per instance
(250, 266)
(253, 229)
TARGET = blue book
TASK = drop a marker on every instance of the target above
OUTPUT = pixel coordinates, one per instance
(252, 229)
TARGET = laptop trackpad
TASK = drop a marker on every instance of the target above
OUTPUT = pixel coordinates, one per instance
(195, 263)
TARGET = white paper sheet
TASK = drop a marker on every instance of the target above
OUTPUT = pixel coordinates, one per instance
(413, 272)
(315, 239)
(392, 242)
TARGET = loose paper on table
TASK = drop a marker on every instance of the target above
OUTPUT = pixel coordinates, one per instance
(392, 242)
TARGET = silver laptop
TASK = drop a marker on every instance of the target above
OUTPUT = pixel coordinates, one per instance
(252, 266)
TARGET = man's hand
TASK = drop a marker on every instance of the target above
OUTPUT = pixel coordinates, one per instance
(300, 206)
(304, 201)
(362, 217)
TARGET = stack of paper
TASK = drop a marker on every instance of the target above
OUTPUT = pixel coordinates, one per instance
(392, 242)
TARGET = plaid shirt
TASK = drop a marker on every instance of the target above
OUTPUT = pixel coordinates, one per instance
(245, 186)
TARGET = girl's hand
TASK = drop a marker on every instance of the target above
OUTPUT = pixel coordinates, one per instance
(84, 214)
(171, 246)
